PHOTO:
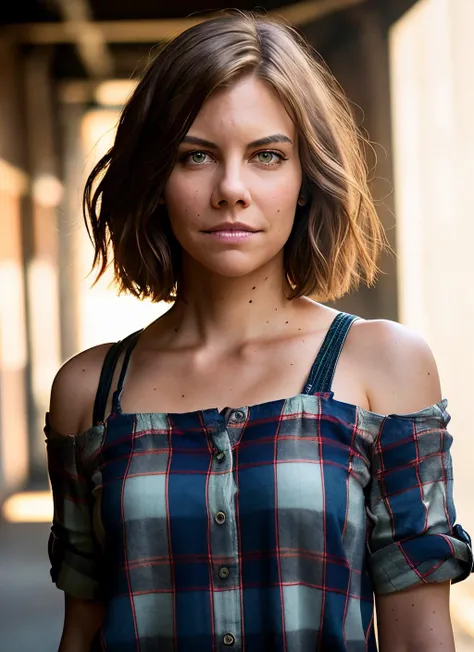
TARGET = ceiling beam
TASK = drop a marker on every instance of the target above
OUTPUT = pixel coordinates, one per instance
(87, 36)
(302, 13)
(148, 31)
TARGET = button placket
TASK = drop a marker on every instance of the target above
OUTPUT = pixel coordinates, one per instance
(222, 492)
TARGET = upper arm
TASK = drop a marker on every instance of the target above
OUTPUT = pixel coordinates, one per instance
(416, 619)
(414, 546)
(75, 567)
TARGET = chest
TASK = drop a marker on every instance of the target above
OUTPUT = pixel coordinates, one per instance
(172, 382)
(278, 471)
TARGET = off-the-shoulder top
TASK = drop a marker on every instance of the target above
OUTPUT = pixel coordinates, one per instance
(263, 528)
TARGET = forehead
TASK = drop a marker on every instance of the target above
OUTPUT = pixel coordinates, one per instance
(249, 108)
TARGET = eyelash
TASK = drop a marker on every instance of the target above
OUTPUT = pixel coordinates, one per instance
(185, 157)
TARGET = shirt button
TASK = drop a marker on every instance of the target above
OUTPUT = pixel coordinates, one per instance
(238, 416)
(224, 572)
(220, 518)
(229, 639)
(220, 457)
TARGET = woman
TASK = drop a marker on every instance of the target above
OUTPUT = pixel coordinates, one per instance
(235, 188)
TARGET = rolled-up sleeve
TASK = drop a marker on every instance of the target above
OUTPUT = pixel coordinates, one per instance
(412, 537)
(76, 565)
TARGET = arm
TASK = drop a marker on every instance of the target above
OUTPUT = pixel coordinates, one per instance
(402, 378)
(415, 620)
(70, 412)
(82, 619)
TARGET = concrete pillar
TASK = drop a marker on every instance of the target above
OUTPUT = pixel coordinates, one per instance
(13, 342)
(41, 246)
(70, 225)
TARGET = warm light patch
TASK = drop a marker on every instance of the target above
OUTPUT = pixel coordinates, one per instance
(115, 92)
(29, 507)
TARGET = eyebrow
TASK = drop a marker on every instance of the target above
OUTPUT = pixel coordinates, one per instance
(268, 140)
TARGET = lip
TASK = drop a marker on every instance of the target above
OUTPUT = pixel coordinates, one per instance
(231, 232)
(233, 236)
(227, 227)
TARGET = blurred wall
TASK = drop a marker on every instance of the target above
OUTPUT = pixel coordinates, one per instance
(432, 69)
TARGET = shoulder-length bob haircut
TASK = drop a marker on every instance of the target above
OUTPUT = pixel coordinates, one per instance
(337, 235)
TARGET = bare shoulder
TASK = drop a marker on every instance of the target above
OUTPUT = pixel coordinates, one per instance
(398, 367)
(74, 389)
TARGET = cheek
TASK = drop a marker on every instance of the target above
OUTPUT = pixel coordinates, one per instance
(183, 193)
(184, 201)
(282, 196)
(280, 208)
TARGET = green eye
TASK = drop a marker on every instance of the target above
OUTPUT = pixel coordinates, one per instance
(270, 159)
(266, 157)
(198, 157)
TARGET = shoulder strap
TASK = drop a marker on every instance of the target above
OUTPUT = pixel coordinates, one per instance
(129, 345)
(106, 377)
(324, 367)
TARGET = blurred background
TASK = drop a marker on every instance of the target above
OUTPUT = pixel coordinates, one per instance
(66, 68)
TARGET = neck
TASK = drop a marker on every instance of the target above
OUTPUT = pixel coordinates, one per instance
(230, 311)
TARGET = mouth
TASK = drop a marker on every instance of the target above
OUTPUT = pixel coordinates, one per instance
(232, 231)
(229, 227)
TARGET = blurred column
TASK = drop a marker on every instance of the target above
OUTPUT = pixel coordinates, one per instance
(41, 246)
(13, 352)
(14, 183)
(71, 223)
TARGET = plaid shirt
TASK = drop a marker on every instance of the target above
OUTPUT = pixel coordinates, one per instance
(263, 528)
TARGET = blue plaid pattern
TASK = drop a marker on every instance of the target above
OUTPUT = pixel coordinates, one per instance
(263, 528)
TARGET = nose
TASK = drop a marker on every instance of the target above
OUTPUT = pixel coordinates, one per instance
(230, 191)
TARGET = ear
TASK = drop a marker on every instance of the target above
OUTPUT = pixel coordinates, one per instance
(161, 199)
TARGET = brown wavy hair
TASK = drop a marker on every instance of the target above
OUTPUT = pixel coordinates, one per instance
(337, 235)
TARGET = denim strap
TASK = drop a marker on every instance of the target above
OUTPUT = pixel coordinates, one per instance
(322, 372)
(129, 345)
(106, 377)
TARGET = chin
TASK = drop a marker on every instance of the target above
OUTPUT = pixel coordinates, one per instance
(232, 271)
(234, 264)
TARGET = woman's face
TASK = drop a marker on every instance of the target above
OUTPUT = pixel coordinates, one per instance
(231, 200)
